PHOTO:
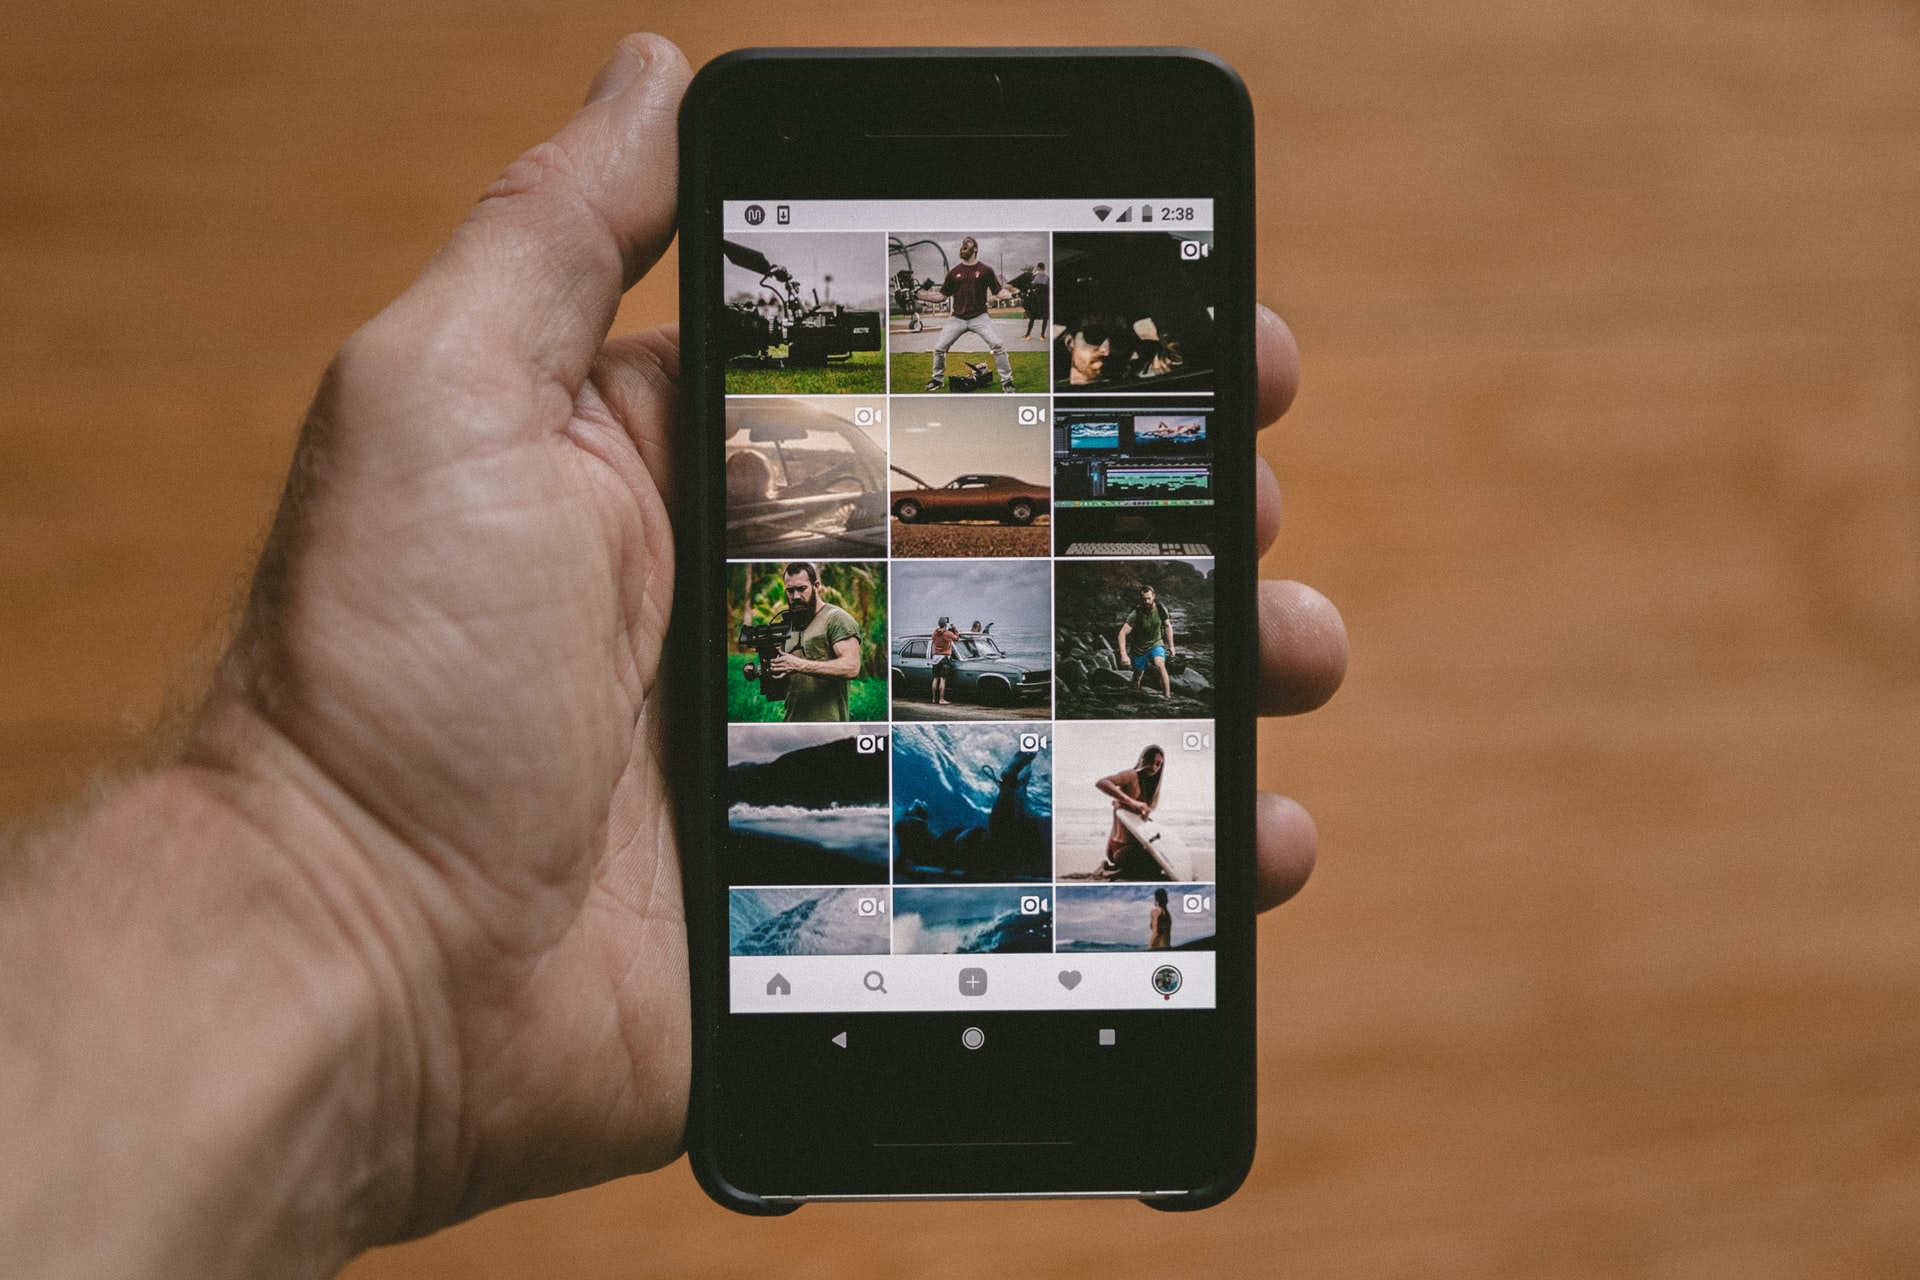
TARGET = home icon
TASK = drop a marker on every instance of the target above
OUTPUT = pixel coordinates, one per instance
(779, 986)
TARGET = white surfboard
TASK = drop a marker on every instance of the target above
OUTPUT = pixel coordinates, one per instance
(1160, 842)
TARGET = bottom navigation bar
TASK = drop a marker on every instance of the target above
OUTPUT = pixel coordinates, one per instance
(912, 984)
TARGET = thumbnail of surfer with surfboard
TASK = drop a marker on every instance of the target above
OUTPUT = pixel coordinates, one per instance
(1137, 847)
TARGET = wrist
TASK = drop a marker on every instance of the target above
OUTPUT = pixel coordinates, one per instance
(210, 1028)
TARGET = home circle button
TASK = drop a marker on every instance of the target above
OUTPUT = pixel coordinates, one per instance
(973, 1037)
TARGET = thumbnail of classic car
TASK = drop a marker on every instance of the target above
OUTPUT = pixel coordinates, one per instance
(982, 670)
(1002, 498)
(803, 482)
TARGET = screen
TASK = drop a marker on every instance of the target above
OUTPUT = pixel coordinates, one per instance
(970, 589)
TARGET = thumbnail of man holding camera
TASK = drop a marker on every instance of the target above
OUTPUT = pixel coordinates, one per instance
(971, 285)
(822, 652)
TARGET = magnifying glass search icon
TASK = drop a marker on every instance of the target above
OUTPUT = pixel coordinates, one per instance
(875, 981)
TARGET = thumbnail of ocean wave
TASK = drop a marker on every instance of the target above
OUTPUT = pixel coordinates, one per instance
(860, 830)
(803, 922)
(956, 769)
(1009, 931)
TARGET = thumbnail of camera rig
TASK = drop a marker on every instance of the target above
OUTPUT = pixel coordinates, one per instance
(814, 334)
(907, 290)
(767, 640)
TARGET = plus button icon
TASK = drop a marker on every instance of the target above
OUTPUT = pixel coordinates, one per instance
(973, 982)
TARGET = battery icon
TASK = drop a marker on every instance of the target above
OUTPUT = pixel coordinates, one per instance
(1146, 213)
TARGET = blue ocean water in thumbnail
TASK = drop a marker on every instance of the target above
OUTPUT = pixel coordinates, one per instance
(1118, 917)
(804, 922)
(1009, 931)
(960, 921)
(1023, 644)
(860, 831)
(956, 770)
(1094, 435)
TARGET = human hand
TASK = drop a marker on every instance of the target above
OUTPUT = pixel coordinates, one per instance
(453, 649)
(453, 655)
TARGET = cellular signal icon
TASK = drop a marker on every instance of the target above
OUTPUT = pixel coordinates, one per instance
(1101, 211)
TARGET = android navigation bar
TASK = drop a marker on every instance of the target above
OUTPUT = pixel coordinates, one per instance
(974, 215)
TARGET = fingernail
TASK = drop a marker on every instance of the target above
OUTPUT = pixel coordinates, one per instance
(620, 71)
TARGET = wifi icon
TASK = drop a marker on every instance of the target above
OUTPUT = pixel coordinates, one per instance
(1101, 211)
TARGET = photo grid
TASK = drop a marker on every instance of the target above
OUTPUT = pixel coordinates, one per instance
(970, 589)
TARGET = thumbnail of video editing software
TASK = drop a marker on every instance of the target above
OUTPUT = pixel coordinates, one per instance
(968, 456)
(1131, 479)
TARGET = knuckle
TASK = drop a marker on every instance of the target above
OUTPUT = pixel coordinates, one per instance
(539, 168)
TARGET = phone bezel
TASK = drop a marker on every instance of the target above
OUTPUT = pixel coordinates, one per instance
(842, 124)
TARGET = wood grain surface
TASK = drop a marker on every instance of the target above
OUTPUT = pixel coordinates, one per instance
(1609, 446)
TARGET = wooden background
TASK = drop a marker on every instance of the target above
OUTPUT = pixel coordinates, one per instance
(1609, 446)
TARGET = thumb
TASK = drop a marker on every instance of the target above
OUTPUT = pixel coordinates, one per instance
(528, 285)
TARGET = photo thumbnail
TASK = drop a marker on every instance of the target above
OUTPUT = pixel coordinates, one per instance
(1134, 311)
(972, 803)
(970, 477)
(972, 921)
(1134, 800)
(807, 804)
(810, 640)
(804, 313)
(1135, 639)
(806, 478)
(968, 312)
(1132, 477)
(1134, 917)
(972, 639)
(809, 922)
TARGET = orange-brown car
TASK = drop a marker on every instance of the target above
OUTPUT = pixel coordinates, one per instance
(1002, 498)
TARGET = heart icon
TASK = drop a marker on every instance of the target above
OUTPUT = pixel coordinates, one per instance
(1069, 978)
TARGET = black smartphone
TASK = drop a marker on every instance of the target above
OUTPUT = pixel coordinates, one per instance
(966, 624)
